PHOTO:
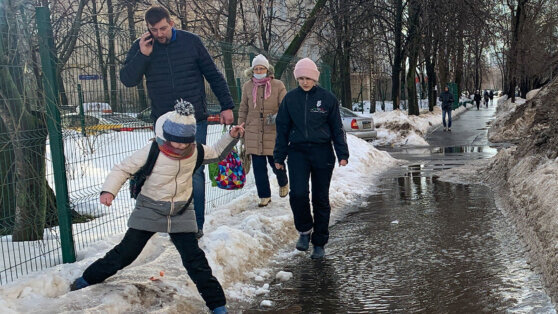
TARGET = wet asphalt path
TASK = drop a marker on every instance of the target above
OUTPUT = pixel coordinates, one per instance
(419, 244)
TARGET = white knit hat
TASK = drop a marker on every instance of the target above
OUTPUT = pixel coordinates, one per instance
(178, 125)
(260, 60)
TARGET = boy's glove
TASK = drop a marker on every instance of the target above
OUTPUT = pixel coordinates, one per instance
(270, 119)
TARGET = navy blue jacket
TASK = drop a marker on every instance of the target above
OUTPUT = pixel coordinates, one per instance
(176, 70)
(309, 117)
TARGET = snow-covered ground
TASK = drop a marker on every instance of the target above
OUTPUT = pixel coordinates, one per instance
(240, 240)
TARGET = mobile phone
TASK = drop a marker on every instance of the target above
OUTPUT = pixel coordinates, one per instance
(150, 36)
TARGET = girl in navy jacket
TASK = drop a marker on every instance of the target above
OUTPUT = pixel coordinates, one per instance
(308, 122)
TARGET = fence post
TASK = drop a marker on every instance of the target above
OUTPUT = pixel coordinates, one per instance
(81, 113)
(48, 62)
(325, 78)
(453, 90)
(239, 89)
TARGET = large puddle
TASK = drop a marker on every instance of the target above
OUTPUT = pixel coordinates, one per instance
(420, 245)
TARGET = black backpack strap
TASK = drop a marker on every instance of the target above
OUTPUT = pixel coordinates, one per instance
(199, 161)
(151, 159)
(201, 155)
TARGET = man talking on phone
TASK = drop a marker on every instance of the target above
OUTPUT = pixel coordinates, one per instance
(175, 63)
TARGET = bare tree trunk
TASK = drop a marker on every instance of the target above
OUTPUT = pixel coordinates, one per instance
(7, 183)
(226, 47)
(100, 55)
(373, 83)
(27, 135)
(517, 26)
(397, 54)
(343, 52)
(299, 38)
(29, 160)
(115, 104)
(130, 9)
(413, 51)
(459, 60)
(30, 163)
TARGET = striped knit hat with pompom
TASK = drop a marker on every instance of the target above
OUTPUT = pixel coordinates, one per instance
(180, 125)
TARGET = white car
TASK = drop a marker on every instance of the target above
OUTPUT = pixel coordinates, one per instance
(359, 126)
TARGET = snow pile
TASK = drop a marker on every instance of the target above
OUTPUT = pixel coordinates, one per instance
(532, 93)
(397, 128)
(527, 175)
(240, 240)
(511, 120)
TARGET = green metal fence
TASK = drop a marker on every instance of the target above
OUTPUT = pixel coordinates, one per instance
(55, 150)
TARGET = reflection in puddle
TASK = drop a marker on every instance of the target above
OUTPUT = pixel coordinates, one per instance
(491, 151)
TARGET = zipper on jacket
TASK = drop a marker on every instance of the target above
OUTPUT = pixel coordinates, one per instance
(306, 116)
(170, 67)
(172, 199)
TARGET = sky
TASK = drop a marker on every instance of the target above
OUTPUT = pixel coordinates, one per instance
(240, 239)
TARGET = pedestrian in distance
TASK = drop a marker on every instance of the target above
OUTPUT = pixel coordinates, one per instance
(491, 96)
(308, 123)
(164, 203)
(477, 99)
(261, 97)
(175, 63)
(486, 97)
(447, 102)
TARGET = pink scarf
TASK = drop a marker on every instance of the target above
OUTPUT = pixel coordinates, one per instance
(265, 81)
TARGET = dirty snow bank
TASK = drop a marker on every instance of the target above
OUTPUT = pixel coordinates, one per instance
(511, 120)
(239, 243)
(397, 128)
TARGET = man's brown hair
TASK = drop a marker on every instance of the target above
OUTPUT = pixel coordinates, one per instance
(155, 14)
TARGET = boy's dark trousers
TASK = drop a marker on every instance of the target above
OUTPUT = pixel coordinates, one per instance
(259, 163)
(315, 161)
(193, 259)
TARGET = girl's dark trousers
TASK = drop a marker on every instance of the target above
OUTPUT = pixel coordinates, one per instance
(193, 259)
(315, 162)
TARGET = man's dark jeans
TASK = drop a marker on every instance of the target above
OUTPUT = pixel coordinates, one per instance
(315, 161)
(447, 111)
(259, 163)
(193, 259)
(198, 180)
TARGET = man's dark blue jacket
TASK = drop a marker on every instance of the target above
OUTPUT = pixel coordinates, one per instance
(309, 118)
(176, 70)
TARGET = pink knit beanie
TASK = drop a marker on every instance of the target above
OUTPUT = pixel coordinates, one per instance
(306, 68)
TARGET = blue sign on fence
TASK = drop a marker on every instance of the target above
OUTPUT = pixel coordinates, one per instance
(89, 76)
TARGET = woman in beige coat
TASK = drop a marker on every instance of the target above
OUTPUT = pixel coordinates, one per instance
(261, 97)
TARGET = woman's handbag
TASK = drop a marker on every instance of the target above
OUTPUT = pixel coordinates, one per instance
(245, 157)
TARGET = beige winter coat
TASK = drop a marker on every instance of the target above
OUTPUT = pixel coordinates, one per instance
(260, 136)
(168, 188)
